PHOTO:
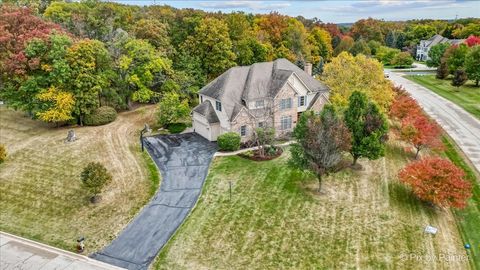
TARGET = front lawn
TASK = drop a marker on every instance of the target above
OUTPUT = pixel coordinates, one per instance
(276, 220)
(41, 195)
(466, 96)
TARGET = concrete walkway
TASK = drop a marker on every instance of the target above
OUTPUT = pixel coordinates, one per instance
(20, 253)
(183, 160)
(460, 125)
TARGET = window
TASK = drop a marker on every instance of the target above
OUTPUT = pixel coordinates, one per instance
(243, 131)
(286, 122)
(301, 101)
(218, 106)
(285, 103)
(259, 104)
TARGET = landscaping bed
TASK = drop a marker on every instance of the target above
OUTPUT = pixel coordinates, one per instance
(257, 155)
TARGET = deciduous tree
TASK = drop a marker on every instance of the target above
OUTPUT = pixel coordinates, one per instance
(438, 181)
(472, 64)
(455, 57)
(59, 107)
(321, 141)
(404, 106)
(436, 53)
(172, 108)
(94, 177)
(421, 132)
(403, 59)
(459, 77)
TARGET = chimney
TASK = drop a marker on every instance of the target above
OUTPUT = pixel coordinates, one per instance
(308, 68)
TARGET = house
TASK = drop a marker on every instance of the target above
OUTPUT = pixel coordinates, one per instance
(425, 45)
(268, 94)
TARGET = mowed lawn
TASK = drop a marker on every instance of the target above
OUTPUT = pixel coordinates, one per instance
(41, 195)
(276, 220)
(466, 96)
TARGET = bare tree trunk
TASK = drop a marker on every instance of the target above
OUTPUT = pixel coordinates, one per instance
(355, 158)
(319, 178)
(418, 151)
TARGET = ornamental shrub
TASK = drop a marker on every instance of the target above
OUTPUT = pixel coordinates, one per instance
(229, 141)
(101, 116)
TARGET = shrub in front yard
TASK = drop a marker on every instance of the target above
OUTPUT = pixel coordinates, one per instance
(459, 77)
(175, 128)
(101, 116)
(3, 153)
(94, 177)
(229, 141)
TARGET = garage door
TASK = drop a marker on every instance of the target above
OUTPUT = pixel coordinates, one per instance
(201, 129)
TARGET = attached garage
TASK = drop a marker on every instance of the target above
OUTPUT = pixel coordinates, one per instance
(205, 121)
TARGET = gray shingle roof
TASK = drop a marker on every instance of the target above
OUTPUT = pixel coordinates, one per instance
(206, 109)
(436, 39)
(258, 81)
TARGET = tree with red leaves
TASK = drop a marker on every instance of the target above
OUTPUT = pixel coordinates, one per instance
(404, 106)
(420, 131)
(438, 181)
(472, 41)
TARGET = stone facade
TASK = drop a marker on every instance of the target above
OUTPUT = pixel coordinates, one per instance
(286, 92)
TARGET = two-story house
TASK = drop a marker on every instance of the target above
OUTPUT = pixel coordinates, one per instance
(425, 45)
(268, 94)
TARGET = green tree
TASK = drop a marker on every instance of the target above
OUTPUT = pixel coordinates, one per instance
(386, 54)
(436, 53)
(472, 64)
(455, 57)
(90, 66)
(321, 45)
(344, 46)
(368, 127)
(141, 68)
(212, 44)
(403, 59)
(94, 177)
(155, 32)
(360, 47)
(374, 46)
(171, 109)
(321, 141)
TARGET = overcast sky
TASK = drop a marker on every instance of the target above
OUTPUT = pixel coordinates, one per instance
(337, 11)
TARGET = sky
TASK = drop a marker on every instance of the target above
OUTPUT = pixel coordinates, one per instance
(336, 11)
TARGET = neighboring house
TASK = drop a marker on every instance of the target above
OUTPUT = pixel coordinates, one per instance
(268, 94)
(425, 45)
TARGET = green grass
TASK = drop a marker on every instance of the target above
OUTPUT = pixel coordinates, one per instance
(153, 173)
(468, 219)
(466, 96)
(276, 220)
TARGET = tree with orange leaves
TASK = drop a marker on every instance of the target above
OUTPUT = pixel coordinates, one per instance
(403, 106)
(438, 181)
(420, 131)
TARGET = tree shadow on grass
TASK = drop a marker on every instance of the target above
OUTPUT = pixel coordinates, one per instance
(403, 198)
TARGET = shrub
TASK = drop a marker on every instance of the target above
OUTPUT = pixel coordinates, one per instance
(229, 141)
(459, 78)
(403, 59)
(101, 116)
(3, 153)
(94, 177)
(176, 127)
(442, 70)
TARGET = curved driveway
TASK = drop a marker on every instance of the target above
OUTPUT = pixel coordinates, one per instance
(183, 160)
(460, 125)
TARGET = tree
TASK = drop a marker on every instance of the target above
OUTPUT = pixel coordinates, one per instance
(346, 74)
(403, 59)
(345, 45)
(438, 181)
(294, 37)
(321, 44)
(404, 106)
(142, 69)
(321, 141)
(90, 66)
(459, 77)
(472, 41)
(472, 64)
(368, 127)
(436, 53)
(421, 132)
(360, 47)
(60, 107)
(94, 177)
(442, 70)
(171, 109)
(469, 30)
(369, 29)
(3, 153)
(264, 137)
(374, 46)
(386, 55)
(455, 57)
(212, 44)
(155, 32)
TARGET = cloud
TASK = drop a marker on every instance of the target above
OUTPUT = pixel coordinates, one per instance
(251, 5)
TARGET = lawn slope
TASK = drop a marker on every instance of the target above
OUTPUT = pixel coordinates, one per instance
(41, 193)
(275, 220)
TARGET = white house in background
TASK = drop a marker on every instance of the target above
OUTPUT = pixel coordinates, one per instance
(268, 94)
(425, 45)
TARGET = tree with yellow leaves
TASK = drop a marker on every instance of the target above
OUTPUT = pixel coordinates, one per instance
(346, 74)
(59, 105)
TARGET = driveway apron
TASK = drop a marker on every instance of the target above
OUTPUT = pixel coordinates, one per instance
(183, 160)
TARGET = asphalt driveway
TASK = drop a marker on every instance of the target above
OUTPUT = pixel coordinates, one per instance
(183, 160)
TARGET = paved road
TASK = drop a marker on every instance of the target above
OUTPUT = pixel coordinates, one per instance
(460, 125)
(19, 253)
(183, 160)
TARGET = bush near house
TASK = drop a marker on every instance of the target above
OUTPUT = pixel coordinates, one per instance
(101, 116)
(229, 141)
